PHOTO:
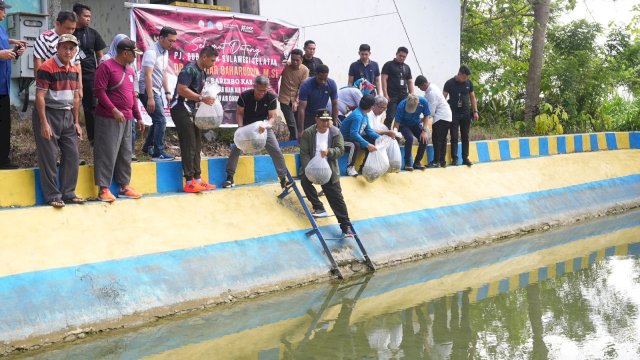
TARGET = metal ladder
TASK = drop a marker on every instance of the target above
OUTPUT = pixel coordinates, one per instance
(316, 230)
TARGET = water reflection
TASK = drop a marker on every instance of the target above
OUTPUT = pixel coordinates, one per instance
(568, 294)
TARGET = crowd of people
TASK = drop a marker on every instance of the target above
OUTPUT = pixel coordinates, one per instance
(72, 70)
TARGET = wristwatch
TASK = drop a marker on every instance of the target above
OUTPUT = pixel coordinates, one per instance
(167, 93)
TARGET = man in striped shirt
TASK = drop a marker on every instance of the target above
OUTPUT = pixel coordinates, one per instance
(46, 44)
(55, 123)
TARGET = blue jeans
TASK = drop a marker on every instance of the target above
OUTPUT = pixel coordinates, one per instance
(155, 137)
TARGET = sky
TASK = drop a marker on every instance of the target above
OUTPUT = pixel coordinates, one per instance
(603, 11)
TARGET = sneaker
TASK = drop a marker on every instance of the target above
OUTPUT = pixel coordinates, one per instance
(82, 162)
(284, 183)
(351, 171)
(129, 193)
(467, 162)
(193, 187)
(443, 165)
(228, 183)
(105, 195)
(148, 150)
(318, 213)
(419, 166)
(206, 185)
(408, 167)
(163, 157)
(134, 158)
(433, 165)
(453, 163)
(347, 233)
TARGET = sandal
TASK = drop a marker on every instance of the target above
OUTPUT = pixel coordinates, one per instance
(75, 200)
(57, 203)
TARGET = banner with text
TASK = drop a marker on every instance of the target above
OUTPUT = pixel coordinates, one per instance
(248, 46)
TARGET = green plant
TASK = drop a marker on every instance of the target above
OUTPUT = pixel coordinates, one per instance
(549, 120)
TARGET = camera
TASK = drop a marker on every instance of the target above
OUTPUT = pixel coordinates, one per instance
(15, 50)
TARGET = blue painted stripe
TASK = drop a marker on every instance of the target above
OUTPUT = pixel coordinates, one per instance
(543, 274)
(562, 145)
(610, 251)
(560, 268)
(503, 286)
(592, 258)
(634, 249)
(523, 280)
(525, 151)
(543, 145)
(264, 170)
(634, 140)
(612, 142)
(39, 194)
(577, 264)
(577, 143)
(169, 176)
(430, 155)
(483, 292)
(483, 151)
(217, 170)
(505, 149)
(593, 139)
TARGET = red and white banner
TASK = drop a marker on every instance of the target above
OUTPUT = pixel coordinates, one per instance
(248, 46)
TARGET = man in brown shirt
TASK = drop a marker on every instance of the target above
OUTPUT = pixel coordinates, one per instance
(292, 77)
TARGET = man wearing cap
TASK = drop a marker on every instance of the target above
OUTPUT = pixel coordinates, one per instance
(117, 107)
(441, 120)
(410, 124)
(155, 62)
(6, 55)
(55, 124)
(357, 133)
(462, 99)
(254, 105)
(323, 135)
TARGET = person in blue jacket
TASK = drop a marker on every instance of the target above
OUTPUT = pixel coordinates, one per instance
(410, 123)
(357, 133)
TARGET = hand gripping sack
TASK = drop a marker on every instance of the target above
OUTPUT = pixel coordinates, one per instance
(248, 138)
(318, 170)
(209, 116)
(377, 164)
(393, 152)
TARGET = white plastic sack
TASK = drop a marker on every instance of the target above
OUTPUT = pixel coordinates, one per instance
(209, 116)
(248, 138)
(377, 163)
(318, 170)
(393, 152)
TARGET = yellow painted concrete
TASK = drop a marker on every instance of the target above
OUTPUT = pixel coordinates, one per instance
(245, 173)
(290, 160)
(143, 177)
(14, 192)
(514, 148)
(494, 150)
(571, 145)
(86, 184)
(622, 140)
(602, 141)
(473, 153)
(534, 146)
(40, 238)
(553, 145)
(586, 142)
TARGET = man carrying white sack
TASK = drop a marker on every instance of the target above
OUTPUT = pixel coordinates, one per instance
(315, 138)
(254, 105)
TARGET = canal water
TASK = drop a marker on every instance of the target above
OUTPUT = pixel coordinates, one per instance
(569, 293)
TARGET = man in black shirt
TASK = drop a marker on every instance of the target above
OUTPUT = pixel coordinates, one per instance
(90, 51)
(462, 99)
(397, 82)
(253, 105)
(308, 59)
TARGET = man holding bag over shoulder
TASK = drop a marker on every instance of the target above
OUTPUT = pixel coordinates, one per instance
(323, 135)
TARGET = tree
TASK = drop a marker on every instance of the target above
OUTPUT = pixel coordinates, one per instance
(541, 10)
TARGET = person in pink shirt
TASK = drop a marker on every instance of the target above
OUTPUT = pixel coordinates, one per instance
(117, 107)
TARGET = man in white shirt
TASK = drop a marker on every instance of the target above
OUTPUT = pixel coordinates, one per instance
(375, 117)
(441, 120)
(348, 100)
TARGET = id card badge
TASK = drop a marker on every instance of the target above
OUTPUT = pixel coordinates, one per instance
(401, 82)
(81, 54)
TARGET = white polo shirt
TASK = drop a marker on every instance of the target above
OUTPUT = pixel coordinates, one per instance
(438, 105)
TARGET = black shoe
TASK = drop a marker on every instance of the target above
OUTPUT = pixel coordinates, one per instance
(433, 165)
(419, 167)
(453, 163)
(82, 162)
(467, 162)
(284, 183)
(408, 167)
(228, 183)
(8, 166)
(443, 165)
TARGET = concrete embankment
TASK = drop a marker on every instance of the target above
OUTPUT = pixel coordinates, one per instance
(98, 266)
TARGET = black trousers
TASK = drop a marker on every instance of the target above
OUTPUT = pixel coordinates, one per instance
(440, 130)
(391, 110)
(409, 132)
(462, 122)
(5, 129)
(292, 120)
(333, 192)
(88, 106)
(190, 141)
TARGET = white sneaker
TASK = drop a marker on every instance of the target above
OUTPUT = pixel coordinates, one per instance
(351, 171)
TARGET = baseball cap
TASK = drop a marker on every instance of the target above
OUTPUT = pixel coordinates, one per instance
(323, 114)
(412, 103)
(4, 5)
(66, 38)
(126, 44)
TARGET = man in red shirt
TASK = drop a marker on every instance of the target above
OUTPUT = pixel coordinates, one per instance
(117, 107)
(55, 123)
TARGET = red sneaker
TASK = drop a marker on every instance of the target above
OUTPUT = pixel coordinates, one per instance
(106, 195)
(206, 185)
(193, 187)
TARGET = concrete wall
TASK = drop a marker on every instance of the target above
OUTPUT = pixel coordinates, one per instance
(339, 27)
(103, 265)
